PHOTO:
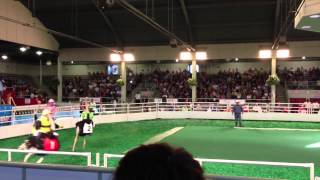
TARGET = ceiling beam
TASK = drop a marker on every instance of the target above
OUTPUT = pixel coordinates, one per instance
(153, 24)
(276, 19)
(187, 19)
(107, 20)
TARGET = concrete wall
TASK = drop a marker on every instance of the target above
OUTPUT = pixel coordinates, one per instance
(215, 51)
(209, 67)
(26, 69)
(25, 129)
(17, 33)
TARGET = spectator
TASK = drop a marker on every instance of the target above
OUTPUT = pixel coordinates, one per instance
(158, 162)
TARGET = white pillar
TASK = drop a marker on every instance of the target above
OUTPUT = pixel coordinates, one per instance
(124, 78)
(194, 76)
(273, 73)
(59, 75)
(40, 74)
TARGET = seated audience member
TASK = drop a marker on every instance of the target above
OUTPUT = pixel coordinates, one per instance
(158, 162)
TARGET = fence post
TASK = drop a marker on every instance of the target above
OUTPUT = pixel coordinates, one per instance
(9, 156)
(312, 171)
(89, 159)
(105, 160)
(98, 159)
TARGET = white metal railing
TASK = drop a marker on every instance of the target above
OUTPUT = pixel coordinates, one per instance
(202, 161)
(17, 115)
(266, 163)
(83, 154)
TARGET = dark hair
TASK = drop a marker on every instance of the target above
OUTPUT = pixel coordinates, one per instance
(158, 162)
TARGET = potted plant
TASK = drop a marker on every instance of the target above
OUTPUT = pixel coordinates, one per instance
(192, 82)
(273, 80)
(120, 82)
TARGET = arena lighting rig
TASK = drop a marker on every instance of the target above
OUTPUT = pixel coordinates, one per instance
(117, 57)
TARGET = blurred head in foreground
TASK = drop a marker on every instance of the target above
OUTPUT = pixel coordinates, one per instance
(158, 162)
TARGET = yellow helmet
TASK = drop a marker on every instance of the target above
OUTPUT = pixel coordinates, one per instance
(46, 112)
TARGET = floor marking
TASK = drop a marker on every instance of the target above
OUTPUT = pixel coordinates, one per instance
(162, 136)
(159, 137)
(278, 129)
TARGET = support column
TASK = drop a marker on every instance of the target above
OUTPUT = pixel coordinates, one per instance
(40, 74)
(59, 76)
(124, 78)
(194, 76)
(273, 73)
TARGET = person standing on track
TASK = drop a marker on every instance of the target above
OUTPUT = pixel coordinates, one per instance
(237, 111)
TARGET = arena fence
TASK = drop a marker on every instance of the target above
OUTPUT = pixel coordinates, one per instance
(81, 154)
(201, 161)
(26, 114)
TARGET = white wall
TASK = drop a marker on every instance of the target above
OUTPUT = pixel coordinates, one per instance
(215, 51)
(25, 129)
(209, 67)
(21, 34)
(26, 69)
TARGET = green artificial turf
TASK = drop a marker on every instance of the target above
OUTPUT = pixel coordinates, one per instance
(117, 138)
(249, 144)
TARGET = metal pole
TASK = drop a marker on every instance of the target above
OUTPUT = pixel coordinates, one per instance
(40, 74)
(124, 78)
(273, 73)
(59, 75)
(194, 76)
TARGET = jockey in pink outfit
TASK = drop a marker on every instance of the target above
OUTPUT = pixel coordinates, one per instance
(53, 109)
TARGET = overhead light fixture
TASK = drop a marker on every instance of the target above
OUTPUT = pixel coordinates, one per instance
(128, 57)
(303, 57)
(265, 54)
(315, 16)
(23, 49)
(39, 53)
(48, 62)
(306, 27)
(4, 57)
(236, 59)
(177, 60)
(185, 55)
(283, 53)
(115, 57)
(72, 62)
(201, 55)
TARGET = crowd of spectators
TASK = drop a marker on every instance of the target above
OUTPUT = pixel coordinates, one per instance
(171, 84)
(230, 84)
(98, 84)
(299, 77)
(14, 90)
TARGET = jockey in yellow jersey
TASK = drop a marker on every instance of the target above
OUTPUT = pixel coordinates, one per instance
(44, 125)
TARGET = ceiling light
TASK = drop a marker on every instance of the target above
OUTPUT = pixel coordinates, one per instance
(201, 55)
(49, 63)
(128, 57)
(237, 59)
(177, 60)
(306, 27)
(23, 49)
(4, 57)
(283, 53)
(303, 57)
(39, 53)
(115, 57)
(315, 16)
(265, 54)
(72, 62)
(185, 55)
